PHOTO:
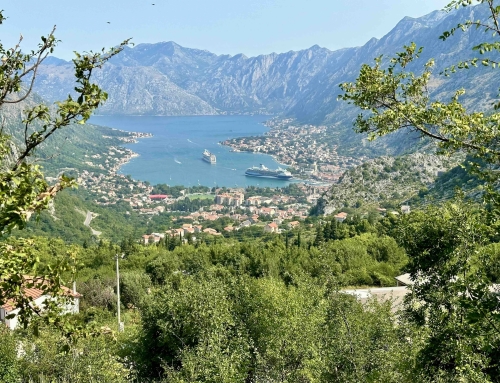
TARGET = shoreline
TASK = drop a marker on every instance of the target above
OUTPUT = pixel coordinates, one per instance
(273, 156)
(187, 115)
(133, 138)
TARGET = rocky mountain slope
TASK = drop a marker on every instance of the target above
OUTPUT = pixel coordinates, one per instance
(167, 79)
(385, 182)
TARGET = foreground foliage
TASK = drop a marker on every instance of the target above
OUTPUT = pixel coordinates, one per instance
(226, 329)
(24, 191)
(454, 301)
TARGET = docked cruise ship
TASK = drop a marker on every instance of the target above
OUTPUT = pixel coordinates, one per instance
(209, 157)
(262, 171)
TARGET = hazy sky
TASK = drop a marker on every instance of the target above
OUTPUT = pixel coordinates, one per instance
(251, 27)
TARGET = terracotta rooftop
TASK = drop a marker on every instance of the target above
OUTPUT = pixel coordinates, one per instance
(35, 293)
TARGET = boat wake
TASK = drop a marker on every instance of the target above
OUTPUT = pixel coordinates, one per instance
(193, 142)
(177, 161)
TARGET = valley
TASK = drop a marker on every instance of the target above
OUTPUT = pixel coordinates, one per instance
(173, 215)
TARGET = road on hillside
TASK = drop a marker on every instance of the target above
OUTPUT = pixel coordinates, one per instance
(88, 219)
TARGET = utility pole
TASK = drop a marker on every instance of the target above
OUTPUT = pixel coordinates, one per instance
(120, 324)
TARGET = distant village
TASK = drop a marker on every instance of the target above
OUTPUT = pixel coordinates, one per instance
(304, 149)
(257, 211)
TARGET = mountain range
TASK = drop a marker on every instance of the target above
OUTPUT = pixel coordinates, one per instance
(168, 79)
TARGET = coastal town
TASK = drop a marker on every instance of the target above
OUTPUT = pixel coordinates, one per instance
(305, 150)
(101, 178)
(273, 211)
(270, 214)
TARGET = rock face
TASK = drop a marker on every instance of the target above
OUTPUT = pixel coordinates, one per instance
(167, 79)
(318, 100)
(384, 179)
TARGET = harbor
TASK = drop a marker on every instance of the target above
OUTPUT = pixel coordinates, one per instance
(175, 155)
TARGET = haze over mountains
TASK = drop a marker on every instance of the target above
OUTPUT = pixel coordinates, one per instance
(168, 79)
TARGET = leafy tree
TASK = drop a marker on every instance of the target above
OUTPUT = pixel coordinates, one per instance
(9, 368)
(92, 359)
(23, 189)
(396, 98)
(190, 334)
(451, 302)
(284, 325)
(133, 287)
(361, 343)
(451, 298)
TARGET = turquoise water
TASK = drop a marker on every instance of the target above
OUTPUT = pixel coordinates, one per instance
(173, 155)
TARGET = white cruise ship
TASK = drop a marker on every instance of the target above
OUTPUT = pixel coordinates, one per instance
(262, 171)
(209, 157)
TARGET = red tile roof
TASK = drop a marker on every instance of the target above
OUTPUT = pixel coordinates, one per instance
(35, 293)
(158, 196)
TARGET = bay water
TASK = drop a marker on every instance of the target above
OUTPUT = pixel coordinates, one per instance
(173, 155)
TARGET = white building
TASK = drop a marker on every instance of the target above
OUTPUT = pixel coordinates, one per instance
(38, 298)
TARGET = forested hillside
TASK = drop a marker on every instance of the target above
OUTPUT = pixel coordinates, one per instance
(65, 151)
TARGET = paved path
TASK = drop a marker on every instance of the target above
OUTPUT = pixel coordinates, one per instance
(87, 221)
(88, 218)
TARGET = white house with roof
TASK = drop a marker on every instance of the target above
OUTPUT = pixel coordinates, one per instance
(38, 298)
(340, 217)
(293, 224)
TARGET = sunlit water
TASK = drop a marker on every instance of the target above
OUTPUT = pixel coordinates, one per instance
(174, 154)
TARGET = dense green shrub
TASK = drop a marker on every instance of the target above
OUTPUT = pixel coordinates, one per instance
(134, 285)
(9, 366)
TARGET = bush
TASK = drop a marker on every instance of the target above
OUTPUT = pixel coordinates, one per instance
(133, 286)
(162, 267)
(91, 359)
(9, 371)
(98, 293)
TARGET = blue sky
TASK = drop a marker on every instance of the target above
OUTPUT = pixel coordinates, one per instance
(251, 27)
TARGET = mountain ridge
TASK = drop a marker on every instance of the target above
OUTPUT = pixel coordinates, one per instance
(168, 79)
